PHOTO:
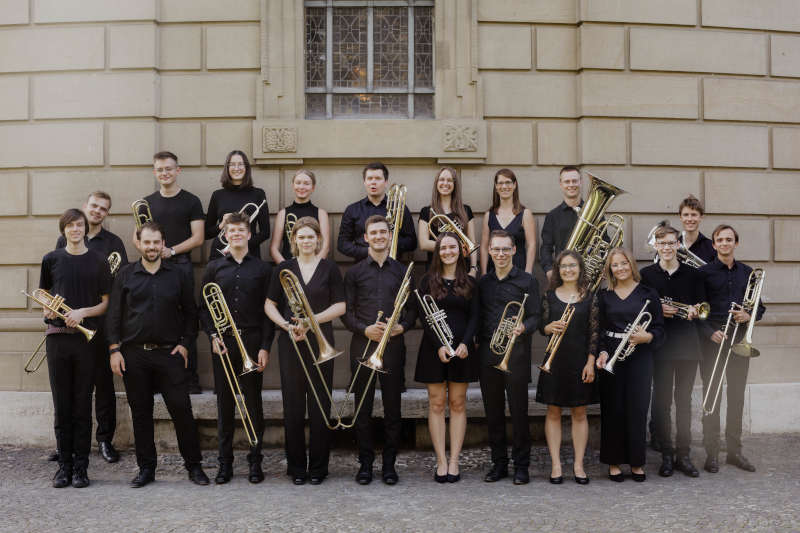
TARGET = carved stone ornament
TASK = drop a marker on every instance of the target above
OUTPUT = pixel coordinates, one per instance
(459, 138)
(279, 139)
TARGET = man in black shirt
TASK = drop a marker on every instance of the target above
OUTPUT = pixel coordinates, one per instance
(151, 319)
(104, 242)
(507, 283)
(725, 283)
(244, 280)
(561, 219)
(691, 212)
(180, 213)
(81, 276)
(351, 230)
(371, 285)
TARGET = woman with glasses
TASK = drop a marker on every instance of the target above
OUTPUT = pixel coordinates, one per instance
(509, 215)
(625, 394)
(303, 184)
(570, 380)
(237, 191)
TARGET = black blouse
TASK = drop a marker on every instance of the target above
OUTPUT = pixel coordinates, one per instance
(462, 314)
(616, 314)
(517, 232)
(299, 211)
(231, 201)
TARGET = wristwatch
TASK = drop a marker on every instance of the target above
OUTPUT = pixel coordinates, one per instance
(172, 252)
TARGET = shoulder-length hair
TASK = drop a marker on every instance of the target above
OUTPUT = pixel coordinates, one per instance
(71, 215)
(225, 179)
(556, 280)
(506, 173)
(463, 283)
(456, 203)
(612, 281)
(305, 222)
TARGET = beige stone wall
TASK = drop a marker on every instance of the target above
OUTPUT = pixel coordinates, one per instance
(661, 98)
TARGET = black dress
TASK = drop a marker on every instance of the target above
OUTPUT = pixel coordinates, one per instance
(563, 386)
(517, 232)
(299, 211)
(231, 201)
(425, 215)
(462, 317)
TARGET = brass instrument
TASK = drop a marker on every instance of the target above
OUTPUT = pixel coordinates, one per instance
(288, 225)
(503, 338)
(596, 253)
(437, 320)
(555, 338)
(375, 361)
(55, 304)
(141, 213)
(625, 348)
(253, 215)
(223, 320)
(752, 296)
(395, 209)
(114, 261)
(703, 308)
(446, 225)
(683, 254)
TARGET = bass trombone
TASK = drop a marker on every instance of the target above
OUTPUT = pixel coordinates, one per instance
(253, 215)
(503, 338)
(395, 209)
(625, 348)
(447, 225)
(555, 338)
(437, 320)
(141, 213)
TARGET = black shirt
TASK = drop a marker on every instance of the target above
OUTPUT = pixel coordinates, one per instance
(151, 308)
(370, 288)
(103, 243)
(175, 214)
(557, 227)
(81, 280)
(244, 286)
(425, 214)
(702, 248)
(231, 201)
(299, 211)
(351, 230)
(516, 230)
(724, 285)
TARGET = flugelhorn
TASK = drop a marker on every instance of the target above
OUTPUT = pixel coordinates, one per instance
(555, 338)
(395, 209)
(223, 320)
(114, 261)
(141, 213)
(703, 308)
(253, 215)
(503, 338)
(375, 361)
(437, 320)
(625, 348)
(446, 225)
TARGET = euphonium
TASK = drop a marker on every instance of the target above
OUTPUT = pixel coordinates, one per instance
(253, 215)
(114, 261)
(625, 348)
(141, 213)
(288, 225)
(437, 320)
(375, 361)
(703, 308)
(503, 338)
(555, 338)
(395, 209)
(446, 225)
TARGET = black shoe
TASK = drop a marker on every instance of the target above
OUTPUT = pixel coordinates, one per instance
(556, 480)
(667, 467)
(80, 478)
(740, 461)
(224, 473)
(299, 479)
(712, 464)
(144, 477)
(256, 475)
(521, 476)
(389, 475)
(684, 464)
(497, 473)
(107, 452)
(453, 478)
(63, 477)
(364, 476)
(639, 477)
(197, 476)
(316, 479)
(437, 478)
(618, 478)
(53, 456)
(582, 480)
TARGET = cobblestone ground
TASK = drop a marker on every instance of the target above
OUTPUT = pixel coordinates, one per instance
(732, 500)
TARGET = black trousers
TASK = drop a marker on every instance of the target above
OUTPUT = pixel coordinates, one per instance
(298, 398)
(70, 364)
(191, 345)
(250, 384)
(148, 371)
(391, 387)
(105, 400)
(496, 387)
(673, 378)
(736, 378)
(624, 400)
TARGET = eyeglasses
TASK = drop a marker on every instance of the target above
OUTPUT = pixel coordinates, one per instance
(668, 244)
(236, 165)
(164, 170)
(503, 250)
(568, 266)
(505, 183)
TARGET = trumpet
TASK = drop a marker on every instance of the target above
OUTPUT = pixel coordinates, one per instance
(555, 338)
(141, 213)
(752, 296)
(703, 308)
(375, 361)
(447, 225)
(395, 209)
(291, 220)
(114, 261)
(625, 348)
(503, 338)
(437, 321)
(253, 215)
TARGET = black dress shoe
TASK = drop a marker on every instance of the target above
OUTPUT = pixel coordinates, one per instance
(316, 479)
(740, 461)
(63, 477)
(364, 476)
(667, 467)
(80, 478)
(107, 452)
(639, 477)
(389, 475)
(299, 479)
(437, 478)
(256, 475)
(557, 480)
(144, 477)
(53, 456)
(453, 478)
(224, 473)
(497, 473)
(197, 476)
(582, 480)
(712, 464)
(617, 478)
(684, 464)
(521, 476)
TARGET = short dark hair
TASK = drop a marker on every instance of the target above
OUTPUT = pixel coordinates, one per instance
(665, 230)
(152, 226)
(374, 219)
(692, 202)
(375, 165)
(165, 155)
(71, 215)
(225, 179)
(100, 194)
(238, 218)
(501, 234)
(723, 227)
(568, 168)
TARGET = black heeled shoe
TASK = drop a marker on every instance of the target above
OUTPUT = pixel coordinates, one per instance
(557, 480)
(639, 478)
(580, 480)
(437, 478)
(618, 478)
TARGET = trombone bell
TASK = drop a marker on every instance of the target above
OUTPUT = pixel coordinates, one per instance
(375, 362)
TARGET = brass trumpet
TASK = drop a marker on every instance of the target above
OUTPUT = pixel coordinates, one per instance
(555, 338)
(503, 338)
(253, 215)
(114, 261)
(625, 348)
(141, 213)
(703, 308)
(446, 225)
(437, 321)
(395, 209)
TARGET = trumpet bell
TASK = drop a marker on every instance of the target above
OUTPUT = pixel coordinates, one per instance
(374, 363)
(703, 310)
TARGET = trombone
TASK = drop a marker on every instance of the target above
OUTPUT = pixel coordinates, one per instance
(447, 225)
(503, 338)
(114, 261)
(253, 215)
(752, 296)
(141, 213)
(703, 308)
(223, 320)
(395, 209)
(625, 348)
(555, 338)
(437, 320)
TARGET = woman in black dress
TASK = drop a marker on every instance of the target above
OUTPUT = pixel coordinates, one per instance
(454, 292)
(508, 214)
(324, 290)
(303, 184)
(625, 394)
(446, 200)
(570, 382)
(237, 191)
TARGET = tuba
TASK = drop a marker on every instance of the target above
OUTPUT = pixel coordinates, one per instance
(703, 308)
(437, 321)
(253, 215)
(555, 338)
(503, 338)
(625, 348)
(446, 225)
(114, 261)
(141, 213)
(395, 209)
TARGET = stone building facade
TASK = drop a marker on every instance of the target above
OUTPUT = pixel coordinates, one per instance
(661, 98)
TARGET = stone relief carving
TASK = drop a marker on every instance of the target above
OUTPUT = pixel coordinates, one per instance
(459, 138)
(279, 139)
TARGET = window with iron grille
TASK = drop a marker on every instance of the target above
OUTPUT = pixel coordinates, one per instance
(369, 59)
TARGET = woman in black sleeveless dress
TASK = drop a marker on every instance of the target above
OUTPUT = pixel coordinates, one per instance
(570, 381)
(303, 184)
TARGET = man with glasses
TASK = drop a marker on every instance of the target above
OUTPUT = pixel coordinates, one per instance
(677, 360)
(507, 283)
(561, 219)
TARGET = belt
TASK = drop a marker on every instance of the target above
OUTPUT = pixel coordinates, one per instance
(615, 335)
(150, 346)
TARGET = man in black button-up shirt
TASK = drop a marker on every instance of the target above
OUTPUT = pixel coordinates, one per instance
(151, 319)
(505, 284)
(371, 285)
(351, 230)
(691, 212)
(244, 281)
(558, 223)
(725, 282)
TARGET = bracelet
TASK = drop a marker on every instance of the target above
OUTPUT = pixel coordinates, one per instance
(113, 351)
